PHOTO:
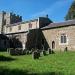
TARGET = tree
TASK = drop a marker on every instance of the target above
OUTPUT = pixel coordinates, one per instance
(71, 13)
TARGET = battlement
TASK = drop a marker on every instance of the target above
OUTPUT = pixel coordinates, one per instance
(8, 18)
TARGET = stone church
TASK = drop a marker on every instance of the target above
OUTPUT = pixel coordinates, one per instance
(40, 33)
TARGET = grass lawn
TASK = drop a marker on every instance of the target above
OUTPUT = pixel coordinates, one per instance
(60, 63)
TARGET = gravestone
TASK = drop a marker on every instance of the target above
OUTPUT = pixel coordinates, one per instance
(38, 53)
(52, 51)
(35, 55)
(24, 52)
(12, 51)
(16, 51)
(66, 49)
(8, 50)
(44, 52)
(49, 50)
(27, 52)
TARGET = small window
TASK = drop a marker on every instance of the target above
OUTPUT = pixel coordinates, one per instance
(63, 38)
(10, 28)
(19, 27)
(30, 25)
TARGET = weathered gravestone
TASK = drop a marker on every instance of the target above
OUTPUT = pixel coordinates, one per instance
(66, 49)
(27, 52)
(12, 51)
(24, 51)
(19, 51)
(32, 50)
(49, 50)
(52, 51)
(44, 52)
(16, 51)
(35, 55)
(38, 51)
(8, 50)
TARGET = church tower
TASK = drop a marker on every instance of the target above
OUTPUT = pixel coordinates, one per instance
(2, 21)
(7, 18)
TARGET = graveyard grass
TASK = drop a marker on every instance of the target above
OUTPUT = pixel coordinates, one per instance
(60, 63)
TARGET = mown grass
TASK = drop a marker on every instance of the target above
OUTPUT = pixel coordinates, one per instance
(60, 63)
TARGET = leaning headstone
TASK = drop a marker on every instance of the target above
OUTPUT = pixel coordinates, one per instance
(35, 55)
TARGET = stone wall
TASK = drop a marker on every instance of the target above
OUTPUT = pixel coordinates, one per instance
(18, 40)
(33, 39)
(54, 34)
(25, 26)
(4, 42)
(8, 18)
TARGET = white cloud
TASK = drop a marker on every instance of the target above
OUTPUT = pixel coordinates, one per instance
(50, 10)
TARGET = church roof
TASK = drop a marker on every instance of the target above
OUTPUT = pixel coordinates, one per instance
(60, 24)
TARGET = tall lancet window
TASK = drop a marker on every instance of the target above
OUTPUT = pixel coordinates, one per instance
(63, 38)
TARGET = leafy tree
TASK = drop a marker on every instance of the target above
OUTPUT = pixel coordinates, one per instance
(71, 13)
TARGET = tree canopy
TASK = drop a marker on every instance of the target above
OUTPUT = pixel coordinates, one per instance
(71, 12)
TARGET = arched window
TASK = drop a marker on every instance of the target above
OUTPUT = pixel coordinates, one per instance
(53, 44)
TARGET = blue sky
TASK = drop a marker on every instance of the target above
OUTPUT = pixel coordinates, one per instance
(30, 9)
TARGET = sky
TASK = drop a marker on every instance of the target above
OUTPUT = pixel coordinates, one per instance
(31, 9)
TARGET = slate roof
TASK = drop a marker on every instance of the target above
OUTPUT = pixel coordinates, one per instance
(18, 23)
(16, 32)
(60, 24)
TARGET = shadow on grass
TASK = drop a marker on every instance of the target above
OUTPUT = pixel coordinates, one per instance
(6, 71)
(51, 73)
(4, 58)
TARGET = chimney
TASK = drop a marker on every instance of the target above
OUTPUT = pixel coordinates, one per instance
(47, 16)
